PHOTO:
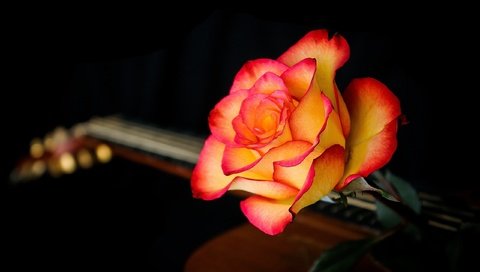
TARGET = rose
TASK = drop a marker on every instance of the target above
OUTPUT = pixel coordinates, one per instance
(286, 135)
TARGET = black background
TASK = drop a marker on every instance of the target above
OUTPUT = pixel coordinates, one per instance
(171, 73)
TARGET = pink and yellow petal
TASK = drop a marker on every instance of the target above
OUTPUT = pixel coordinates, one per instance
(266, 123)
(343, 113)
(264, 188)
(284, 136)
(370, 155)
(310, 116)
(208, 181)
(267, 118)
(317, 44)
(238, 159)
(332, 134)
(372, 106)
(243, 134)
(287, 151)
(268, 215)
(294, 173)
(374, 111)
(221, 117)
(253, 70)
(248, 110)
(267, 84)
(299, 77)
(324, 174)
(330, 54)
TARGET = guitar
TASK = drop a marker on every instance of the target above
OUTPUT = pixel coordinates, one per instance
(98, 139)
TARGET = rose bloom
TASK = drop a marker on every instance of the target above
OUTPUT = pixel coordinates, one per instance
(288, 137)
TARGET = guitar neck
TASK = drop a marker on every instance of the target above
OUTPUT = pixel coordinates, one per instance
(145, 138)
(177, 153)
(163, 149)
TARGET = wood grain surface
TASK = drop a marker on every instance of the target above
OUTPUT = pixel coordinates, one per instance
(245, 248)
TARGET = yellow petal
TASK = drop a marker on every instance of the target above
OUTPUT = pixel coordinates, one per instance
(299, 77)
(288, 151)
(324, 174)
(374, 111)
(310, 116)
(265, 188)
(330, 54)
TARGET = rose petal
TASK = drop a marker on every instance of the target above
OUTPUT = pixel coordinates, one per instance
(294, 172)
(316, 44)
(243, 134)
(370, 155)
(332, 134)
(343, 113)
(238, 159)
(268, 83)
(254, 106)
(310, 116)
(208, 181)
(330, 54)
(270, 216)
(268, 189)
(299, 77)
(374, 110)
(284, 136)
(372, 106)
(323, 175)
(221, 117)
(287, 151)
(253, 70)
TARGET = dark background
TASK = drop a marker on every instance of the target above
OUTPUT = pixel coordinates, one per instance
(127, 215)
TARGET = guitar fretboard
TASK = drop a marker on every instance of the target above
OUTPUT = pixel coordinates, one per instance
(148, 139)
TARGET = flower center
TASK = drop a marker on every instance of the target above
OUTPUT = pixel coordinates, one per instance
(262, 118)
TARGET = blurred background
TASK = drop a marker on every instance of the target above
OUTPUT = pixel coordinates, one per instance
(125, 214)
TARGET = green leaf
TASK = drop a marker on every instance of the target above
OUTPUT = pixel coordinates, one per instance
(389, 218)
(360, 184)
(343, 256)
(406, 191)
(386, 216)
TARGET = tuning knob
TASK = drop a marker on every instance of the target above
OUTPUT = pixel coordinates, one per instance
(67, 163)
(84, 158)
(36, 148)
(103, 153)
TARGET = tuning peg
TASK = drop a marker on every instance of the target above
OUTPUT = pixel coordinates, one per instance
(103, 153)
(60, 135)
(48, 143)
(84, 158)
(54, 139)
(67, 163)
(36, 148)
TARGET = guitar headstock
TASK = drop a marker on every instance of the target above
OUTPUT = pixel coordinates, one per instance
(60, 152)
(63, 151)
